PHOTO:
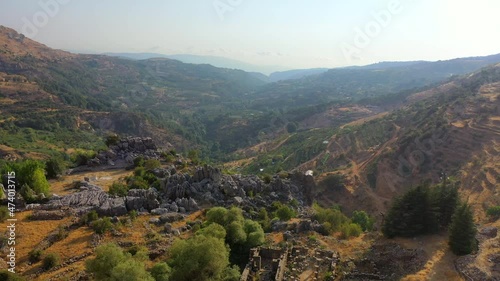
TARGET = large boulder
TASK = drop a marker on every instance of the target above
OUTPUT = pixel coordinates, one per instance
(142, 198)
(113, 207)
(171, 217)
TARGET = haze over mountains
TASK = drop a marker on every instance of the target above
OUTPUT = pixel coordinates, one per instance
(276, 73)
(367, 133)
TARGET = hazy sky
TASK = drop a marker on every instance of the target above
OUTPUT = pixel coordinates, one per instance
(291, 33)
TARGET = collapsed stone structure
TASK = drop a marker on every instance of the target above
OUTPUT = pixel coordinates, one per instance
(289, 264)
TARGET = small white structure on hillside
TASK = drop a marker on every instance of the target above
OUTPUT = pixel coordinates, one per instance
(309, 173)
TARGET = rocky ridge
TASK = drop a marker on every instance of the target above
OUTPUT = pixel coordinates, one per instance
(183, 193)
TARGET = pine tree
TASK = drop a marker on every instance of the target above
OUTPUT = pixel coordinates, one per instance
(462, 238)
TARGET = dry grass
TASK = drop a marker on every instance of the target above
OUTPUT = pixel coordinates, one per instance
(440, 263)
(103, 179)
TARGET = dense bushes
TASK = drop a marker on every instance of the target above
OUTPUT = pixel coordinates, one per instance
(113, 264)
(30, 175)
(241, 232)
(118, 189)
(333, 220)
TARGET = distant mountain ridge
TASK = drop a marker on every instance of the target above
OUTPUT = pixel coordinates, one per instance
(197, 59)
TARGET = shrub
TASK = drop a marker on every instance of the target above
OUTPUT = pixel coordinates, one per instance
(5, 275)
(54, 167)
(90, 217)
(363, 220)
(35, 255)
(49, 261)
(161, 272)
(4, 213)
(103, 225)
(82, 158)
(169, 157)
(138, 183)
(350, 230)
(139, 171)
(118, 189)
(152, 164)
(112, 264)
(285, 213)
(112, 140)
(194, 156)
(28, 194)
(132, 215)
(62, 233)
(267, 178)
(139, 161)
(494, 212)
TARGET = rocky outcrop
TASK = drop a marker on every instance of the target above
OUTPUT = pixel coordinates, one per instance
(123, 154)
(182, 193)
(48, 215)
(208, 187)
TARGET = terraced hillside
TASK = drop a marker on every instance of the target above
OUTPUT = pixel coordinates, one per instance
(452, 129)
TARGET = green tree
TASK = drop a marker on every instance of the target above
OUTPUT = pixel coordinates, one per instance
(255, 234)
(54, 167)
(30, 173)
(446, 201)
(199, 258)
(118, 189)
(213, 230)
(217, 215)
(285, 213)
(411, 215)
(112, 264)
(264, 219)
(130, 270)
(363, 220)
(231, 274)
(161, 272)
(462, 239)
(235, 233)
(108, 256)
